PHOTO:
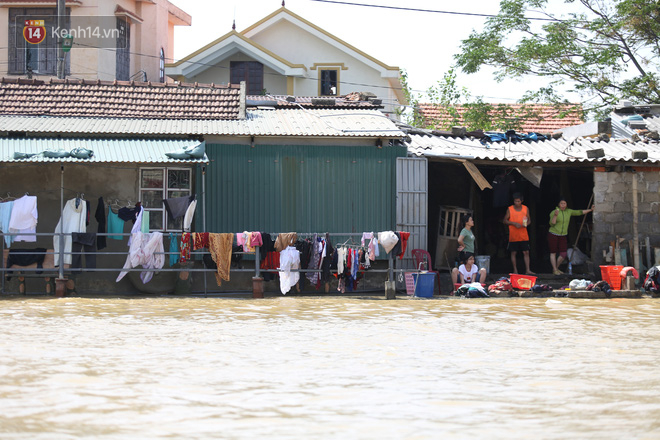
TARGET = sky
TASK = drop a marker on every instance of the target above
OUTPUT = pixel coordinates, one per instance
(422, 43)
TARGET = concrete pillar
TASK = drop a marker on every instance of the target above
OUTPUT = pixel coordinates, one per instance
(257, 287)
(390, 289)
(60, 287)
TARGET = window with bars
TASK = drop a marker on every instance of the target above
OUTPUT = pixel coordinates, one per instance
(252, 72)
(36, 58)
(157, 184)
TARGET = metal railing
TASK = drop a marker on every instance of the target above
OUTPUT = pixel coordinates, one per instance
(195, 255)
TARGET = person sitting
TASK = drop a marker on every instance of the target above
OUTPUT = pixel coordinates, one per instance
(468, 272)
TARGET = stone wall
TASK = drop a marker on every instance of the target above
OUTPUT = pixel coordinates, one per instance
(614, 209)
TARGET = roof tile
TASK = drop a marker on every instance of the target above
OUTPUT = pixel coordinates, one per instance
(121, 99)
(541, 118)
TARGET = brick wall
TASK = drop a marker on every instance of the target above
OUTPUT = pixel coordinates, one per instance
(614, 209)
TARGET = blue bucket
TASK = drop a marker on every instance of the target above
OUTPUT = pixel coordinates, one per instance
(424, 283)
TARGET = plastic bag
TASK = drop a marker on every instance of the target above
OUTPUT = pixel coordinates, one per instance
(576, 256)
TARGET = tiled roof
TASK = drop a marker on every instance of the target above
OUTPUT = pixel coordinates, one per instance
(545, 118)
(118, 99)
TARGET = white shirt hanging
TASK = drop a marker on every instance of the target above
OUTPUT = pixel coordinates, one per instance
(289, 260)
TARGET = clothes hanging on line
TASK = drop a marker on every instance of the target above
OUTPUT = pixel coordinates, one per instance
(174, 249)
(130, 214)
(5, 216)
(188, 217)
(220, 247)
(115, 225)
(400, 247)
(289, 261)
(387, 239)
(146, 250)
(284, 240)
(99, 215)
(186, 244)
(73, 219)
(176, 207)
(24, 218)
(25, 257)
(83, 244)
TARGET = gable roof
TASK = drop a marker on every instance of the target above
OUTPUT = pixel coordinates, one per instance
(285, 14)
(227, 45)
(119, 99)
(537, 118)
(234, 41)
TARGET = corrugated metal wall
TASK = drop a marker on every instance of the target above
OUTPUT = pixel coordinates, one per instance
(300, 188)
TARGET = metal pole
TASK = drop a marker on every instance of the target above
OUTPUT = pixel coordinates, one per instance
(61, 267)
(61, 11)
(204, 215)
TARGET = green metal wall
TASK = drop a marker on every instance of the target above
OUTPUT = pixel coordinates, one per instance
(296, 188)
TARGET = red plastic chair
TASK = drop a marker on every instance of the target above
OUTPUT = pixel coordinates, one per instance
(423, 262)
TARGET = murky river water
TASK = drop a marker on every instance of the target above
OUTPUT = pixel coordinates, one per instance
(330, 368)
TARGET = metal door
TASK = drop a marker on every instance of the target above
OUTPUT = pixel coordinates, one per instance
(412, 205)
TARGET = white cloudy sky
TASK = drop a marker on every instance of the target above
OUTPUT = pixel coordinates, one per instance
(422, 43)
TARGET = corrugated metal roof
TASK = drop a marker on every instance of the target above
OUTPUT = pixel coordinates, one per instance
(280, 122)
(554, 150)
(105, 150)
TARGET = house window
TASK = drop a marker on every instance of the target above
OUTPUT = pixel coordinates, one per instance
(161, 66)
(36, 58)
(123, 62)
(157, 184)
(252, 72)
(328, 82)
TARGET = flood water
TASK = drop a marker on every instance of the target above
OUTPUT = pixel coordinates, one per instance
(329, 368)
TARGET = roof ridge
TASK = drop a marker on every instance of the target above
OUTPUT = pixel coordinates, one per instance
(99, 82)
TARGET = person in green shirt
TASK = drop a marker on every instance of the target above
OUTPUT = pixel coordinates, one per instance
(466, 236)
(558, 232)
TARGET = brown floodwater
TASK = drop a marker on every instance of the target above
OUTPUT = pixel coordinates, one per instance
(329, 368)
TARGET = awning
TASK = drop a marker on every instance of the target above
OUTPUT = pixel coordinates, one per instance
(148, 151)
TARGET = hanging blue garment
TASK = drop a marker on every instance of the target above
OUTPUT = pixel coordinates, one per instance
(174, 247)
(5, 215)
(115, 226)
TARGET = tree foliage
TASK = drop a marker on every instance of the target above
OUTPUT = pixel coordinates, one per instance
(455, 106)
(607, 50)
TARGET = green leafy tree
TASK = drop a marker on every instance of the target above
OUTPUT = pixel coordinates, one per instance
(607, 50)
